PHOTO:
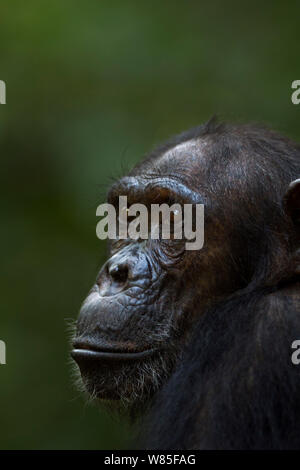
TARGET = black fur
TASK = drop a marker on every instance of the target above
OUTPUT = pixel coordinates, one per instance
(236, 386)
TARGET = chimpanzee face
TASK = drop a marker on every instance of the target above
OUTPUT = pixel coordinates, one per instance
(138, 317)
(134, 322)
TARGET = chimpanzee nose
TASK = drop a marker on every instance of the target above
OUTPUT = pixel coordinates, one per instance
(125, 269)
(118, 272)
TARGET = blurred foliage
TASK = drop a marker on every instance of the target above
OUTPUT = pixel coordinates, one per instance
(91, 87)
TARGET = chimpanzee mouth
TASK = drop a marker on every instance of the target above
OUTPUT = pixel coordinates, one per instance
(86, 352)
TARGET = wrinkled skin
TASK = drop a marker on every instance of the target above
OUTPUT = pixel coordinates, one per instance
(149, 294)
(145, 295)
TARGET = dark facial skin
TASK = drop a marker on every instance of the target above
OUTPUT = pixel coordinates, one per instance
(208, 332)
(148, 296)
(134, 322)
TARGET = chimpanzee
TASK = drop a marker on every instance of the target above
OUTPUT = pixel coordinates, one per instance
(201, 341)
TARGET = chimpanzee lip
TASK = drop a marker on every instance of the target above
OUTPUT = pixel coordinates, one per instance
(87, 352)
(117, 356)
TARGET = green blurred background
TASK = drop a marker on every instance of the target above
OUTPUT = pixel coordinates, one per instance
(91, 86)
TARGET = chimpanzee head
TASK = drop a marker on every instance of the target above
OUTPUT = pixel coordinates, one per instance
(139, 315)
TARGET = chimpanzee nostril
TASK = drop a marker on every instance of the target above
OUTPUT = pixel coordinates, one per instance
(118, 272)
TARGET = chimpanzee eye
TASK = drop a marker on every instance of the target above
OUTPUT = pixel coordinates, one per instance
(123, 215)
(213, 327)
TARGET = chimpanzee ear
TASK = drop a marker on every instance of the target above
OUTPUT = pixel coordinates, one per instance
(292, 202)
